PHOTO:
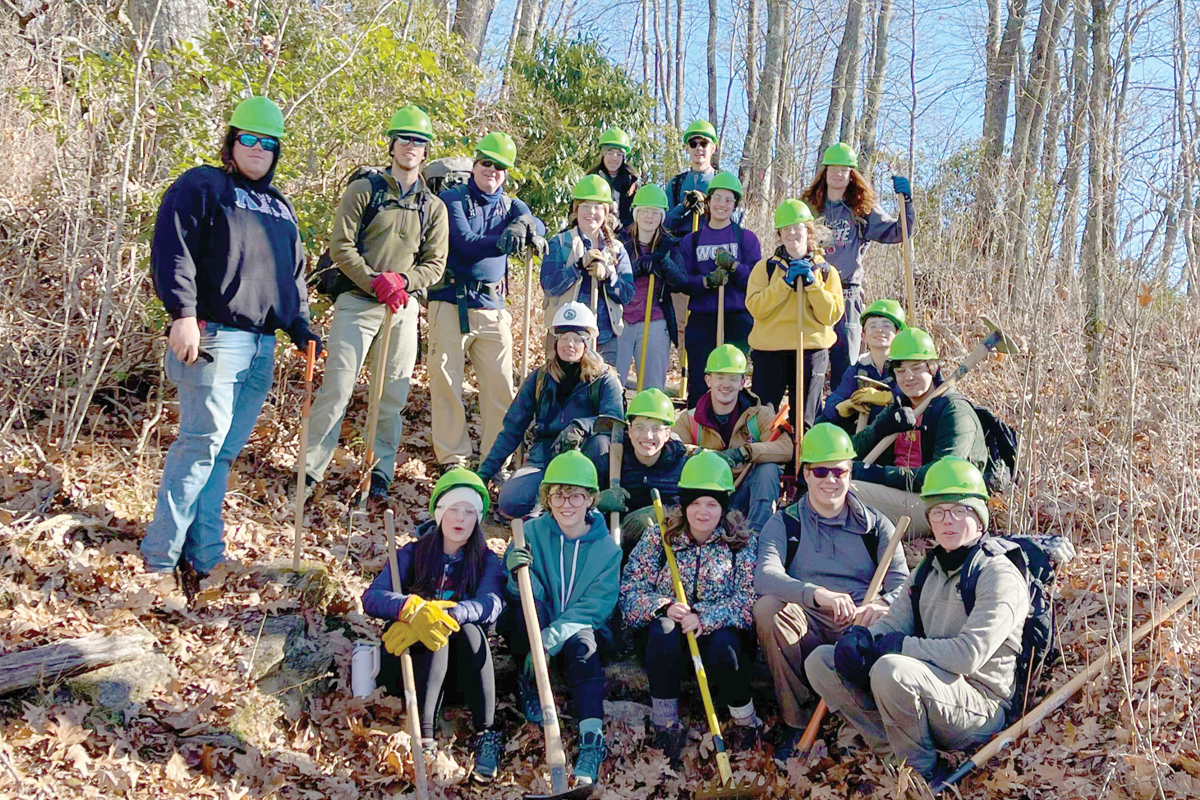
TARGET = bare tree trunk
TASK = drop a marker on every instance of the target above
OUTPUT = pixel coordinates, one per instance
(767, 101)
(471, 19)
(874, 93)
(531, 13)
(1080, 80)
(1047, 207)
(660, 80)
(679, 63)
(513, 37)
(1093, 259)
(751, 85)
(785, 148)
(712, 62)
(179, 21)
(847, 132)
(844, 68)
(645, 44)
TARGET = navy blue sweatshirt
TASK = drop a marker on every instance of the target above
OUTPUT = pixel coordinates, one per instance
(227, 249)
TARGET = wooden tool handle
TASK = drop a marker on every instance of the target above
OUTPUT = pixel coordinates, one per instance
(406, 670)
(310, 362)
(616, 452)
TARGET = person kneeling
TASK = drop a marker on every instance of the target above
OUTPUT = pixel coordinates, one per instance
(715, 551)
(451, 565)
(575, 568)
(930, 675)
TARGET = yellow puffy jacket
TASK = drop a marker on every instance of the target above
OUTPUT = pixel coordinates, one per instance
(772, 303)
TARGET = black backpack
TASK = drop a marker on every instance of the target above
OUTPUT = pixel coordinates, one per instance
(446, 173)
(1037, 557)
(1003, 447)
(791, 523)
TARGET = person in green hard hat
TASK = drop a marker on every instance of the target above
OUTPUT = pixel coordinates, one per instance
(794, 280)
(731, 420)
(467, 308)
(715, 550)
(575, 568)
(401, 250)
(720, 253)
(228, 265)
(650, 248)
(687, 192)
(590, 251)
(816, 559)
(948, 427)
(881, 321)
(842, 196)
(935, 673)
(451, 591)
(614, 168)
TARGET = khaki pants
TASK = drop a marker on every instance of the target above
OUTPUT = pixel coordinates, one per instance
(490, 346)
(894, 504)
(788, 632)
(912, 710)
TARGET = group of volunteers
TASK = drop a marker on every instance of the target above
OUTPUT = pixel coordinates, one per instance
(914, 670)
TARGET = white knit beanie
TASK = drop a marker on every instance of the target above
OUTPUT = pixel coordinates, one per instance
(459, 494)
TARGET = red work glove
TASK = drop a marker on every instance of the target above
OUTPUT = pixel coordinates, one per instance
(391, 288)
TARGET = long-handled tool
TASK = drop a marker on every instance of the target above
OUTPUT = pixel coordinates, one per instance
(800, 415)
(863, 416)
(378, 380)
(556, 757)
(814, 725)
(406, 670)
(725, 787)
(994, 341)
(683, 359)
(646, 332)
(525, 319)
(616, 450)
(906, 250)
(595, 298)
(773, 432)
(310, 358)
(720, 315)
(1033, 720)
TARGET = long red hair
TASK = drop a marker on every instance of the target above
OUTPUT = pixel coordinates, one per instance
(860, 197)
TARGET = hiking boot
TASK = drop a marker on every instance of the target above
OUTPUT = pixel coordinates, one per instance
(592, 753)
(530, 703)
(939, 775)
(489, 746)
(740, 738)
(671, 739)
(429, 749)
(188, 578)
(449, 465)
(290, 487)
(379, 488)
(789, 745)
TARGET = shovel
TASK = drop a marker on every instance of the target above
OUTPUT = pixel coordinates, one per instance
(724, 786)
(406, 670)
(616, 450)
(555, 756)
(646, 332)
(302, 461)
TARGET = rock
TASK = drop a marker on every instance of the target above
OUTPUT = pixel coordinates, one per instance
(272, 643)
(288, 660)
(119, 686)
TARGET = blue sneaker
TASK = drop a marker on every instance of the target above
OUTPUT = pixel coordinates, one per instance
(489, 746)
(592, 753)
(788, 744)
(527, 696)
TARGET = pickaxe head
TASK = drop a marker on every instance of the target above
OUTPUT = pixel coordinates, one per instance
(864, 383)
(733, 790)
(605, 424)
(996, 340)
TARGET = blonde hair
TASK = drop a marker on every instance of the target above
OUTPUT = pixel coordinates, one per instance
(591, 366)
(608, 230)
(734, 529)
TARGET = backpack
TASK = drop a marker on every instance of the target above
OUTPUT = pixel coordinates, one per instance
(1003, 449)
(328, 277)
(791, 523)
(446, 173)
(1037, 558)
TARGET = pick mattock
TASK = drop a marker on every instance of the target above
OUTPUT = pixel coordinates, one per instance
(799, 377)
(864, 383)
(310, 358)
(525, 319)
(814, 725)
(555, 756)
(406, 669)
(683, 359)
(725, 787)
(906, 250)
(378, 380)
(616, 449)
(773, 432)
(646, 332)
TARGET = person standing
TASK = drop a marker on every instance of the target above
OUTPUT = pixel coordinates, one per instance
(228, 266)
(402, 251)
(467, 314)
(614, 168)
(843, 197)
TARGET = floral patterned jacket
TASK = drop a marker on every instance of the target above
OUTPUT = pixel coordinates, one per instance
(718, 582)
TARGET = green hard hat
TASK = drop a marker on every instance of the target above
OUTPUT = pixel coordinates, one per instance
(726, 358)
(912, 344)
(412, 121)
(459, 476)
(826, 442)
(594, 189)
(258, 115)
(725, 180)
(615, 137)
(791, 212)
(887, 308)
(572, 468)
(954, 476)
(498, 147)
(700, 127)
(840, 155)
(652, 403)
(650, 196)
(706, 470)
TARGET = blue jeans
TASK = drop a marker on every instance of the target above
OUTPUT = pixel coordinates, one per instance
(658, 353)
(757, 495)
(844, 351)
(218, 406)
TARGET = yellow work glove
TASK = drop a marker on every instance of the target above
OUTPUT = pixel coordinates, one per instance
(429, 621)
(869, 395)
(399, 637)
(848, 407)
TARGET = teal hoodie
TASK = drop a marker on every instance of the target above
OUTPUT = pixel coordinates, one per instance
(594, 560)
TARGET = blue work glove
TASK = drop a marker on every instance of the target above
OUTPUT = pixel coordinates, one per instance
(888, 643)
(854, 655)
(902, 185)
(802, 269)
(301, 334)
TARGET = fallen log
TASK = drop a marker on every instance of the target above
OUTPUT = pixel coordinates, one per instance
(49, 663)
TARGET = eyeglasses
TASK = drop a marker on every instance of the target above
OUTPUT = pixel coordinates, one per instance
(269, 143)
(879, 324)
(649, 428)
(912, 368)
(825, 472)
(574, 499)
(486, 164)
(412, 140)
(462, 510)
(699, 141)
(956, 512)
(573, 339)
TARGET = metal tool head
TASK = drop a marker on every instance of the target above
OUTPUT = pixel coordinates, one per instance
(996, 340)
(606, 424)
(716, 789)
(865, 382)
(578, 793)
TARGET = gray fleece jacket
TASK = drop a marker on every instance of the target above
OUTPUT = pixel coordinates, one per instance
(983, 647)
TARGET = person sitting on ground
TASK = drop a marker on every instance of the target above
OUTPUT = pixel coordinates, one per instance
(812, 575)
(614, 168)
(948, 427)
(882, 320)
(574, 385)
(929, 676)
(575, 569)
(730, 419)
(715, 551)
(448, 572)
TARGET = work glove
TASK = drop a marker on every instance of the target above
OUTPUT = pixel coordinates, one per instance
(800, 269)
(537, 245)
(870, 396)
(530, 222)
(888, 643)
(399, 637)
(648, 264)
(902, 185)
(693, 201)
(869, 473)
(849, 407)
(391, 289)
(569, 439)
(854, 655)
(301, 334)
(429, 622)
(897, 419)
(517, 557)
(458, 612)
(735, 456)
(611, 500)
(726, 261)
(513, 237)
(718, 277)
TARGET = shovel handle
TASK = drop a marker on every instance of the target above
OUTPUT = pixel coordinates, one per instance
(406, 671)
(302, 458)
(641, 373)
(616, 452)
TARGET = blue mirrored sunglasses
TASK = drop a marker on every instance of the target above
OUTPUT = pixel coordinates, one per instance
(269, 143)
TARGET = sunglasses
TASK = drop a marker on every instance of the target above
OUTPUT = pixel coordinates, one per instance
(486, 164)
(825, 472)
(269, 143)
(697, 142)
